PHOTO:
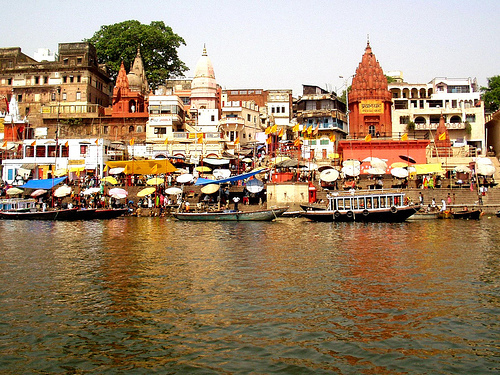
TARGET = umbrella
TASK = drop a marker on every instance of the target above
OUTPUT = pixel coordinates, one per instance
(38, 192)
(378, 163)
(351, 171)
(462, 169)
(210, 188)
(399, 164)
(329, 175)
(485, 169)
(173, 191)
(90, 191)
(203, 168)
(351, 163)
(377, 171)
(254, 186)
(246, 160)
(155, 181)
(146, 191)
(323, 167)
(118, 193)
(110, 179)
(14, 191)
(408, 158)
(399, 172)
(221, 174)
(483, 161)
(185, 178)
(60, 172)
(62, 191)
(116, 170)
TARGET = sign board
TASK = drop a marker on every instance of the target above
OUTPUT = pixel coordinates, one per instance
(371, 106)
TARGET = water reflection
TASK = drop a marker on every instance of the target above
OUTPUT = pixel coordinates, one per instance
(292, 296)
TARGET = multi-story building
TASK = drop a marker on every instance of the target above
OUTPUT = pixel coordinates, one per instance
(240, 123)
(324, 115)
(68, 94)
(417, 109)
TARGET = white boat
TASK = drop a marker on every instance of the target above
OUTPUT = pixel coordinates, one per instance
(231, 215)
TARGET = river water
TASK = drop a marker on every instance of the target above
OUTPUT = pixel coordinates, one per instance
(155, 295)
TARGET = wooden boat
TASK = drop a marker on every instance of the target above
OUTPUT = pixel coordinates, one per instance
(230, 215)
(467, 214)
(424, 215)
(39, 215)
(364, 207)
(111, 213)
(312, 207)
(17, 204)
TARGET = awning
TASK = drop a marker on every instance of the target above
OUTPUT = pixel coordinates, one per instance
(46, 184)
(428, 168)
(206, 181)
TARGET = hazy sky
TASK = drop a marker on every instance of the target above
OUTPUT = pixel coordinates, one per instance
(275, 44)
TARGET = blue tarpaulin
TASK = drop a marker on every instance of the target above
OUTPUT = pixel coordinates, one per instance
(43, 184)
(206, 181)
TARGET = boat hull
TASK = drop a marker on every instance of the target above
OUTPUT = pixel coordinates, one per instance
(261, 215)
(389, 215)
(64, 215)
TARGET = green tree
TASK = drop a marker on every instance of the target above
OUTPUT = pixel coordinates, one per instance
(491, 95)
(158, 45)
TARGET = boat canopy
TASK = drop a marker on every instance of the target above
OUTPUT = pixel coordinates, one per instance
(206, 181)
(46, 184)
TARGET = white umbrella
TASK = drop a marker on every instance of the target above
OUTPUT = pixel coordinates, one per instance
(462, 169)
(14, 191)
(351, 171)
(62, 191)
(221, 174)
(173, 191)
(38, 192)
(378, 163)
(485, 169)
(399, 172)
(118, 193)
(351, 163)
(185, 178)
(116, 170)
(90, 191)
(483, 161)
(329, 175)
(254, 185)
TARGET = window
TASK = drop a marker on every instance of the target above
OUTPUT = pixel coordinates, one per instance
(249, 117)
(105, 129)
(53, 96)
(404, 119)
(65, 79)
(470, 118)
(9, 81)
(371, 130)
(324, 142)
(37, 80)
(272, 110)
(83, 149)
(19, 98)
(78, 78)
(78, 95)
(66, 61)
(79, 60)
(45, 80)
(64, 96)
(131, 129)
(212, 118)
(160, 130)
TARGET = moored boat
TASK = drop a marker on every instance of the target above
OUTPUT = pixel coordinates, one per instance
(230, 215)
(464, 214)
(364, 207)
(38, 215)
(424, 215)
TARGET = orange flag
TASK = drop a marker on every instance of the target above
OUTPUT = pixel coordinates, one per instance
(200, 138)
(309, 129)
(268, 140)
(296, 128)
(131, 142)
(368, 138)
(66, 144)
(404, 137)
(297, 142)
(280, 134)
(332, 138)
(316, 130)
(165, 142)
(33, 144)
(442, 136)
(97, 141)
(268, 130)
(237, 141)
(274, 129)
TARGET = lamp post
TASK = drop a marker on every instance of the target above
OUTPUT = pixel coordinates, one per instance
(346, 81)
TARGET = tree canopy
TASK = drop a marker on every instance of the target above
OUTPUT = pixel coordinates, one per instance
(491, 95)
(158, 45)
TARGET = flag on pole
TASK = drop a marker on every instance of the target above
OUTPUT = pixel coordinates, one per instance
(268, 140)
(442, 136)
(165, 142)
(200, 138)
(310, 129)
(66, 144)
(268, 130)
(368, 138)
(237, 141)
(274, 129)
(33, 144)
(296, 128)
(280, 134)
(131, 142)
(316, 130)
(4, 144)
(404, 137)
(332, 138)
(297, 142)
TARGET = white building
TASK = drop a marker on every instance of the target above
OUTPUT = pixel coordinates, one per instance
(458, 99)
(240, 120)
(74, 156)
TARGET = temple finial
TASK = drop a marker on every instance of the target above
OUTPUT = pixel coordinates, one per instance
(204, 50)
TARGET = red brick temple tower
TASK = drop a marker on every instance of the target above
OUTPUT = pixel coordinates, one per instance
(369, 100)
(442, 140)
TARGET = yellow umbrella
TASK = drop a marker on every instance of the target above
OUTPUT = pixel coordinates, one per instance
(14, 191)
(210, 188)
(146, 191)
(110, 179)
(203, 168)
(60, 172)
(155, 181)
(399, 164)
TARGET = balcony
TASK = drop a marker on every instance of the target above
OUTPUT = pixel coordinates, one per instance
(433, 126)
(226, 121)
(72, 110)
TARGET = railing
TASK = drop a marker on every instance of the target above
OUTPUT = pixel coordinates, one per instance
(69, 110)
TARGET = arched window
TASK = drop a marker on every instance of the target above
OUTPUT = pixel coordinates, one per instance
(371, 130)
(131, 129)
(139, 129)
(455, 119)
(420, 120)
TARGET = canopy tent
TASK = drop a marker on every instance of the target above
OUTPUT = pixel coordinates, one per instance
(205, 181)
(428, 168)
(143, 166)
(43, 184)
